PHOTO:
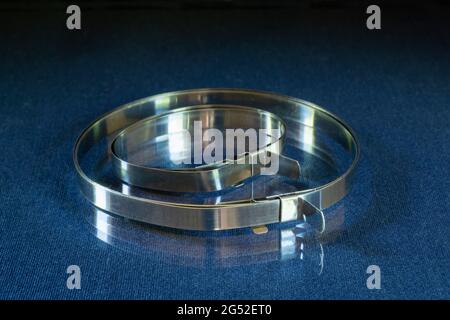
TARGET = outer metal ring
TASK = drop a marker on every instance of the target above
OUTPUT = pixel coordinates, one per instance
(286, 207)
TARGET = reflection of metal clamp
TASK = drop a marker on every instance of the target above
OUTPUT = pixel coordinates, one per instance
(170, 128)
(222, 215)
(237, 248)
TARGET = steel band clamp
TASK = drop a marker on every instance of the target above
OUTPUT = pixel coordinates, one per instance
(304, 124)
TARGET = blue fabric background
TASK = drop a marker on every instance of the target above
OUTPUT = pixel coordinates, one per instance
(392, 86)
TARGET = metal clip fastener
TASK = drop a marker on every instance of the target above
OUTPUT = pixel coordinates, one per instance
(294, 207)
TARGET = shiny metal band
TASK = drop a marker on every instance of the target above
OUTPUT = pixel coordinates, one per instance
(227, 215)
(205, 177)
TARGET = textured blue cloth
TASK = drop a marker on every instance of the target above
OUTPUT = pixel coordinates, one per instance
(392, 86)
